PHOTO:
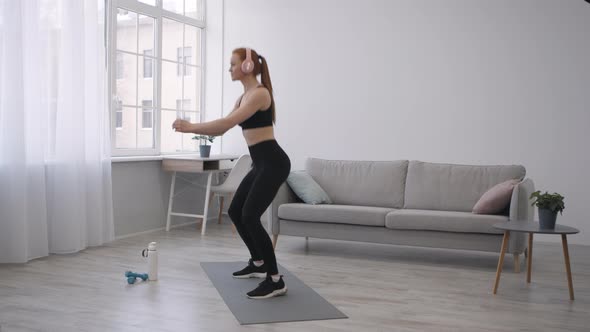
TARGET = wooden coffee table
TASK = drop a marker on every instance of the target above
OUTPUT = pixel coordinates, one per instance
(531, 228)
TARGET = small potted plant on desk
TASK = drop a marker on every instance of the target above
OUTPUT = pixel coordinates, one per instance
(204, 149)
(549, 205)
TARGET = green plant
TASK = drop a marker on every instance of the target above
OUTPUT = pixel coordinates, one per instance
(553, 202)
(206, 138)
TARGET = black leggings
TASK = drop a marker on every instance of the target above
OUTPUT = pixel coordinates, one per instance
(271, 166)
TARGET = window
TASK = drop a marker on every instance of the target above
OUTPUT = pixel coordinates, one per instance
(148, 63)
(155, 68)
(183, 59)
(146, 114)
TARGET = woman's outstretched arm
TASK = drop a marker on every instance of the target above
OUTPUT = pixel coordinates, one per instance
(249, 106)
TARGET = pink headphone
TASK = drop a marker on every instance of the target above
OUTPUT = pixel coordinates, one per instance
(248, 64)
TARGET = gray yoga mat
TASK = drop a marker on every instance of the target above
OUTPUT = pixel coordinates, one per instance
(299, 304)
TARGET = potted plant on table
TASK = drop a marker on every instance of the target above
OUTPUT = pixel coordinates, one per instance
(549, 205)
(204, 149)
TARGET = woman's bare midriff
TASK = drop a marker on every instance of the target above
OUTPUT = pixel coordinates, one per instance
(257, 135)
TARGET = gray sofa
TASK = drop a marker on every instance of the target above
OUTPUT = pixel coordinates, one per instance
(405, 203)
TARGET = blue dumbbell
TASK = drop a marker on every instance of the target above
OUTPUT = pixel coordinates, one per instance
(131, 276)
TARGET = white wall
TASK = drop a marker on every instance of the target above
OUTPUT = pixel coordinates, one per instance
(460, 81)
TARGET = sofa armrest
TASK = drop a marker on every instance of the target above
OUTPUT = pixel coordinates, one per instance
(520, 209)
(284, 195)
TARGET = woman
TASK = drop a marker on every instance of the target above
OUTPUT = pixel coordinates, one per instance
(254, 111)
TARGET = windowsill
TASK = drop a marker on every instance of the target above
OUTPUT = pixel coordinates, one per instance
(134, 158)
(124, 159)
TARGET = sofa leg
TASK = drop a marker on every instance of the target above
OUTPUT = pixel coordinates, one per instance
(516, 263)
(275, 238)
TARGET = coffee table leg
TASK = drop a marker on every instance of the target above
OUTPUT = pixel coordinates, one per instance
(567, 265)
(501, 260)
(530, 259)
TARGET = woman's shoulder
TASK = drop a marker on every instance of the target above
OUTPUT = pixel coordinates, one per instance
(260, 94)
(263, 89)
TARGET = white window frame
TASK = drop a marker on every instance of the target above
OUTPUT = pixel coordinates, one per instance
(158, 13)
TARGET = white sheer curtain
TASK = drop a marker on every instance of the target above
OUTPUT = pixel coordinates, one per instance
(55, 168)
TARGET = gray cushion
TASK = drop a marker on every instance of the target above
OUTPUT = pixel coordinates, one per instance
(339, 214)
(445, 221)
(452, 187)
(367, 183)
(307, 189)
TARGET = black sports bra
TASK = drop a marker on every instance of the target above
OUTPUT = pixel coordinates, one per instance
(262, 118)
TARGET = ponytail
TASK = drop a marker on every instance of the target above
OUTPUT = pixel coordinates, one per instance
(265, 78)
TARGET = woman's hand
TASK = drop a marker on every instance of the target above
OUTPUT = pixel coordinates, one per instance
(182, 126)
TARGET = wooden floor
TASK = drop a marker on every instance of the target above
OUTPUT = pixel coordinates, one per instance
(380, 287)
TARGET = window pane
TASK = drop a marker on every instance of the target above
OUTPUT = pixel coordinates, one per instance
(192, 88)
(120, 69)
(183, 56)
(171, 39)
(172, 141)
(125, 90)
(118, 115)
(171, 85)
(193, 9)
(146, 115)
(180, 61)
(148, 64)
(187, 60)
(189, 144)
(145, 85)
(181, 107)
(119, 119)
(146, 119)
(126, 30)
(125, 138)
(146, 32)
(174, 6)
(146, 136)
(192, 43)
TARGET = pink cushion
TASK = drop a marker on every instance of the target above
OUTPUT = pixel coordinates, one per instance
(496, 198)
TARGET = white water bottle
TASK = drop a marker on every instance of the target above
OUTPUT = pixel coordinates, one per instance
(152, 255)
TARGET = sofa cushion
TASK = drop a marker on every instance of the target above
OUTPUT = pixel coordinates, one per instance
(307, 189)
(452, 187)
(496, 199)
(365, 183)
(444, 221)
(339, 214)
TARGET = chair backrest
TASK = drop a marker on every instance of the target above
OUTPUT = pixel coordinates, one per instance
(238, 172)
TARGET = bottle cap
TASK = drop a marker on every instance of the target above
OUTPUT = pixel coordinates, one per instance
(152, 246)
